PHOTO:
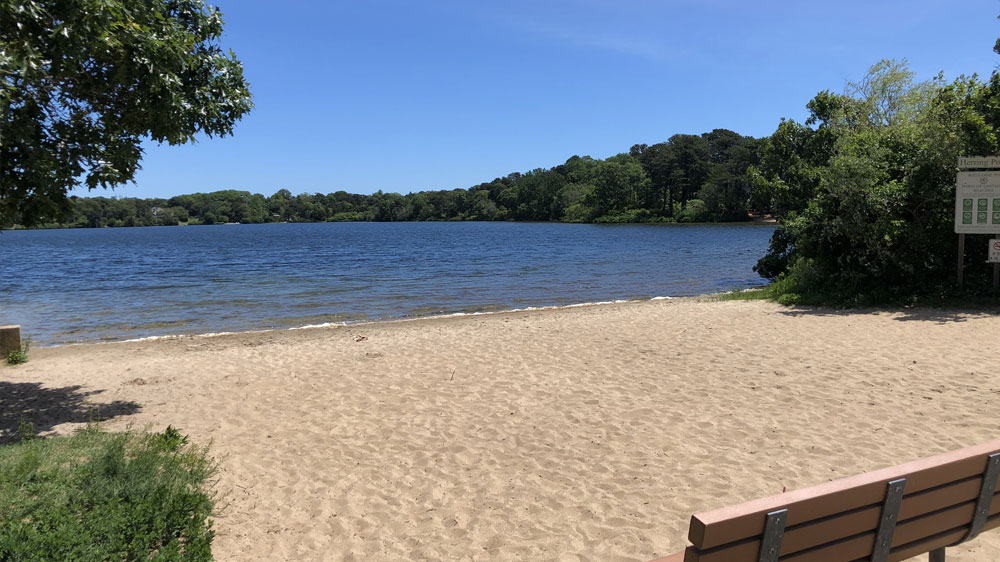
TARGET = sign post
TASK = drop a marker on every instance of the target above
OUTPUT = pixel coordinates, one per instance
(994, 258)
(977, 205)
(961, 258)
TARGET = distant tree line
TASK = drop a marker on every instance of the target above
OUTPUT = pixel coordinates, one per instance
(688, 178)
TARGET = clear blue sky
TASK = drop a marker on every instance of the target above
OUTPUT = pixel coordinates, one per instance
(407, 96)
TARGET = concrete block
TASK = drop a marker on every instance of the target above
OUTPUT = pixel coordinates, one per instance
(10, 340)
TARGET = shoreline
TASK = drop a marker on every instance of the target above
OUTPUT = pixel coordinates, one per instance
(751, 222)
(373, 321)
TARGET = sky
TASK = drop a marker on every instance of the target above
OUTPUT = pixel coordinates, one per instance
(404, 96)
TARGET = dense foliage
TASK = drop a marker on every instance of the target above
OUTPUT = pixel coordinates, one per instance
(864, 190)
(689, 178)
(83, 83)
(105, 496)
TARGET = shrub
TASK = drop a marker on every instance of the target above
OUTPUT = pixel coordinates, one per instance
(628, 216)
(347, 216)
(696, 211)
(19, 356)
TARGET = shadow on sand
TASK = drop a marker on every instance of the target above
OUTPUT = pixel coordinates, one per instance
(46, 408)
(913, 314)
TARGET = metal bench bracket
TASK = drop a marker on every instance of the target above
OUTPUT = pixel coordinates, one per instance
(774, 531)
(887, 522)
(983, 503)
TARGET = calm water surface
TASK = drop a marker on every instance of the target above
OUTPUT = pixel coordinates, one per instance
(67, 286)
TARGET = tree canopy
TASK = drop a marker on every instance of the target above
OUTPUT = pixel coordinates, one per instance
(85, 82)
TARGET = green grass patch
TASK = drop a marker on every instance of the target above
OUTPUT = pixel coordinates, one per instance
(97, 495)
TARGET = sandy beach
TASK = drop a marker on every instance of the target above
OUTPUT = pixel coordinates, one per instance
(582, 433)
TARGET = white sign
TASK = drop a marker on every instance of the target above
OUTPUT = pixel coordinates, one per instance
(994, 251)
(968, 162)
(977, 203)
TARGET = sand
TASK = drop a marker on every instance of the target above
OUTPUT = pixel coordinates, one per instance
(586, 433)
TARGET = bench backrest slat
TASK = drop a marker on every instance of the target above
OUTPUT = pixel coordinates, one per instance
(941, 540)
(921, 515)
(843, 515)
(898, 554)
(908, 532)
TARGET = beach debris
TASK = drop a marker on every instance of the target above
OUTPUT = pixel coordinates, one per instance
(360, 338)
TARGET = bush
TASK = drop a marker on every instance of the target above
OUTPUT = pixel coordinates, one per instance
(19, 356)
(105, 496)
(628, 216)
(16, 357)
(696, 211)
(351, 216)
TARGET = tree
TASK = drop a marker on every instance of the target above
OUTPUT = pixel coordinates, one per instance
(656, 161)
(83, 83)
(536, 195)
(789, 170)
(689, 166)
(726, 191)
(617, 181)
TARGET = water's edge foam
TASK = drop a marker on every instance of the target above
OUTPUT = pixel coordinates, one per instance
(363, 322)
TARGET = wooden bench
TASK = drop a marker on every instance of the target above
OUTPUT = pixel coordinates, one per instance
(887, 515)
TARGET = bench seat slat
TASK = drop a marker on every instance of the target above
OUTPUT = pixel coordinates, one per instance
(746, 520)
